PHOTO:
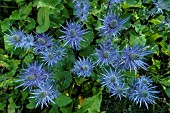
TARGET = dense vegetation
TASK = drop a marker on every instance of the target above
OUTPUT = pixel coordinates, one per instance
(85, 56)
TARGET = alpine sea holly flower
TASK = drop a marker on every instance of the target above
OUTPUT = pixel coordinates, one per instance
(133, 57)
(111, 77)
(106, 55)
(33, 75)
(144, 80)
(161, 5)
(15, 38)
(28, 41)
(52, 55)
(73, 34)
(44, 94)
(42, 41)
(82, 9)
(143, 94)
(112, 24)
(115, 1)
(119, 90)
(83, 67)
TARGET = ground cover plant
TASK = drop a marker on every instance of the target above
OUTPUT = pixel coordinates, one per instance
(85, 56)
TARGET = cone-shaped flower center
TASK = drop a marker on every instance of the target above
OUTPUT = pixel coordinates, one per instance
(113, 79)
(106, 54)
(58, 52)
(50, 56)
(28, 39)
(144, 81)
(119, 90)
(81, 5)
(134, 56)
(73, 33)
(144, 93)
(43, 94)
(113, 24)
(41, 41)
(16, 38)
(85, 67)
(31, 77)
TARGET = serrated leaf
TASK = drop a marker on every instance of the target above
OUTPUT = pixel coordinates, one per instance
(43, 20)
(63, 100)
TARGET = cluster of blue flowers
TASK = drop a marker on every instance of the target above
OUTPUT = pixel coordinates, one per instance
(114, 61)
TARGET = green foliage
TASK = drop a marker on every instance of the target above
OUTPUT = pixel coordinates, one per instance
(77, 94)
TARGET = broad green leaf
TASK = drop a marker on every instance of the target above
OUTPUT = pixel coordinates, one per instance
(92, 104)
(63, 78)
(5, 25)
(167, 91)
(54, 109)
(66, 109)
(62, 100)
(87, 51)
(43, 20)
(48, 3)
(22, 13)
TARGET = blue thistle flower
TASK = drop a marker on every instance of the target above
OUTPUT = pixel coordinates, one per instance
(82, 9)
(160, 5)
(52, 55)
(115, 1)
(28, 41)
(42, 41)
(112, 24)
(111, 77)
(44, 94)
(83, 67)
(73, 34)
(120, 90)
(144, 80)
(15, 38)
(33, 75)
(133, 58)
(106, 54)
(143, 94)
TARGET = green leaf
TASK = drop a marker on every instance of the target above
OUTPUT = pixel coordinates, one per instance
(5, 25)
(66, 110)
(24, 95)
(63, 100)
(31, 105)
(51, 4)
(92, 104)
(22, 13)
(63, 79)
(54, 109)
(167, 91)
(43, 20)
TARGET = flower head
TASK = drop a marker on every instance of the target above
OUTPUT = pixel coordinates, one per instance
(160, 5)
(111, 77)
(82, 9)
(44, 94)
(106, 54)
(52, 55)
(133, 58)
(83, 67)
(115, 1)
(73, 34)
(15, 38)
(33, 75)
(143, 94)
(144, 80)
(120, 90)
(42, 41)
(28, 41)
(112, 24)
